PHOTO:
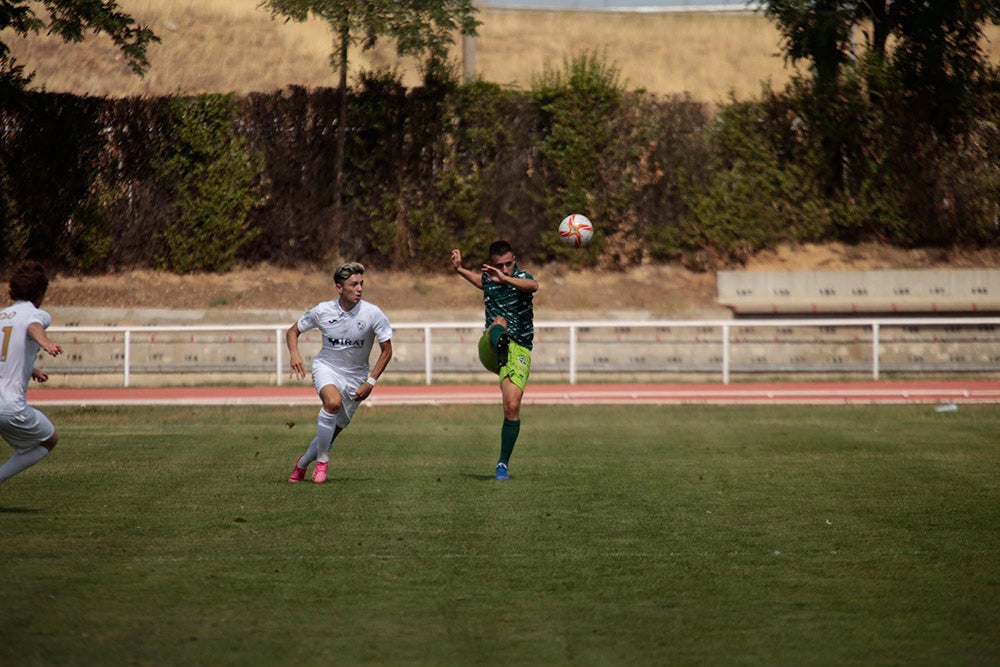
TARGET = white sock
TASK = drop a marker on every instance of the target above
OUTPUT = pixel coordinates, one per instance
(21, 461)
(309, 456)
(326, 425)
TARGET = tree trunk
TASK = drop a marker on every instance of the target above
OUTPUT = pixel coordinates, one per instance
(880, 26)
(340, 149)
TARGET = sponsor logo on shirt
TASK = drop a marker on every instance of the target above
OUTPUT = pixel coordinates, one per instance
(345, 342)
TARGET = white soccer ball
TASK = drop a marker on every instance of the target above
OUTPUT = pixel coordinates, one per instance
(575, 231)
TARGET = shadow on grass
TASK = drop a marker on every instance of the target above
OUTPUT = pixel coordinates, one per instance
(19, 510)
(481, 478)
(329, 480)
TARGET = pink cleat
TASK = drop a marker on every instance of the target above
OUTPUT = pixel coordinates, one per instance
(319, 473)
(298, 474)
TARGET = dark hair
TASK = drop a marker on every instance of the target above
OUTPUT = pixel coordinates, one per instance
(498, 248)
(345, 271)
(28, 282)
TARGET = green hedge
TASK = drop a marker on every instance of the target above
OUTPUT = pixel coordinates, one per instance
(212, 177)
(197, 183)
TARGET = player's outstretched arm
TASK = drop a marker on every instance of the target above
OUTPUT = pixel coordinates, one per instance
(295, 358)
(37, 332)
(456, 261)
(521, 284)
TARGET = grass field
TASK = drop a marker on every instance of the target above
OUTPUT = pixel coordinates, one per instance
(628, 535)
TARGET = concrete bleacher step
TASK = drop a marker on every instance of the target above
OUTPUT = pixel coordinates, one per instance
(874, 292)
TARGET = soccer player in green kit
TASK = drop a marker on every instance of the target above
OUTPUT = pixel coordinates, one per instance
(505, 347)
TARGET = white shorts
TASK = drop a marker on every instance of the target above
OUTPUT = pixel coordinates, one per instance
(324, 375)
(26, 428)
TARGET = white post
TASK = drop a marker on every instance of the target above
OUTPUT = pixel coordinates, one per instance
(468, 58)
(572, 354)
(128, 355)
(875, 351)
(725, 354)
(428, 362)
(277, 357)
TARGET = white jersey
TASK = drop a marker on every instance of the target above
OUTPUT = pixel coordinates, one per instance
(348, 336)
(18, 352)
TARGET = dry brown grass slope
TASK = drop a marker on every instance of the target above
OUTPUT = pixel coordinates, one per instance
(668, 291)
(232, 45)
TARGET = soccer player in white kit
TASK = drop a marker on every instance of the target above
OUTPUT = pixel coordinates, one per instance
(340, 373)
(22, 335)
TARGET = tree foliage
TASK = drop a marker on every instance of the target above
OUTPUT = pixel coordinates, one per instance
(97, 184)
(71, 19)
(899, 93)
(213, 176)
(577, 103)
(417, 27)
(756, 198)
(928, 54)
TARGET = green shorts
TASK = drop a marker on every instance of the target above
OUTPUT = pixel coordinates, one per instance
(518, 361)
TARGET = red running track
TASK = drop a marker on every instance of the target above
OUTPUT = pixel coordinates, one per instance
(777, 393)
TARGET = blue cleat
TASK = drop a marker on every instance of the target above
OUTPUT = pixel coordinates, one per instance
(502, 473)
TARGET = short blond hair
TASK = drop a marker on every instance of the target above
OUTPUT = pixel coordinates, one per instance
(345, 271)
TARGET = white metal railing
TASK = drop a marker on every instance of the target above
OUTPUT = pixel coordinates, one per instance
(567, 338)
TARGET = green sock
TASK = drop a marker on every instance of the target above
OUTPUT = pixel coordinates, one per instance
(495, 332)
(508, 436)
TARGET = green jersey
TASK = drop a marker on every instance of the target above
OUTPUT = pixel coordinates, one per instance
(513, 304)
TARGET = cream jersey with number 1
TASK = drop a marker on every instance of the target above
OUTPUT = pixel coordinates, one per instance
(18, 352)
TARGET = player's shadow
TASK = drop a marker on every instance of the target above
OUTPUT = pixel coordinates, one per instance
(19, 510)
(332, 480)
(481, 478)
